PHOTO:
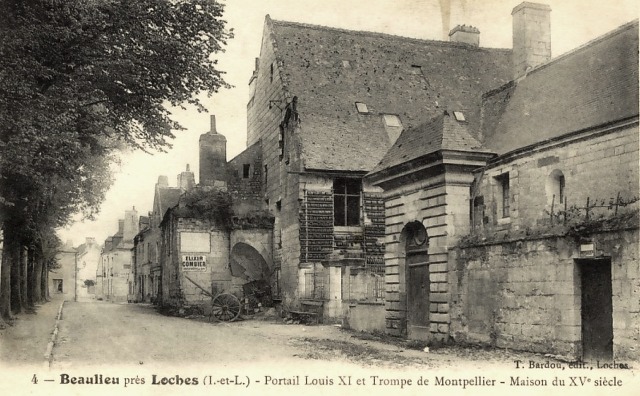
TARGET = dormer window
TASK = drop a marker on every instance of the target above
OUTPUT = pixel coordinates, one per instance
(393, 126)
(459, 116)
(362, 108)
(392, 120)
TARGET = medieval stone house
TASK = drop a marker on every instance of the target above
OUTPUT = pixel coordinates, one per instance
(206, 238)
(520, 229)
(326, 104)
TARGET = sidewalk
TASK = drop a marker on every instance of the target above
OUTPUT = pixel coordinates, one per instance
(25, 343)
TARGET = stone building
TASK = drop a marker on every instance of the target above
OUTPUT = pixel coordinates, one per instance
(147, 243)
(326, 104)
(62, 280)
(217, 237)
(517, 225)
(114, 274)
(88, 259)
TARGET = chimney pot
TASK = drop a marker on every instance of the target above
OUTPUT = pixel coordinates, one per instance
(213, 123)
(465, 34)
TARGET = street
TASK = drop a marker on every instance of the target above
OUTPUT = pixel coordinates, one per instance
(135, 347)
(96, 333)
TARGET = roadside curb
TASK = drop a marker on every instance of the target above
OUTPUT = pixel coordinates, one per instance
(48, 354)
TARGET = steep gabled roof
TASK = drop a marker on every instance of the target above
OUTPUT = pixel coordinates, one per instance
(443, 132)
(592, 85)
(329, 70)
(166, 197)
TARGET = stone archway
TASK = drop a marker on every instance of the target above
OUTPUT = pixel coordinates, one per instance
(247, 263)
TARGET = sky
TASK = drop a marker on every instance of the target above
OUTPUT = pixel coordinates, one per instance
(573, 23)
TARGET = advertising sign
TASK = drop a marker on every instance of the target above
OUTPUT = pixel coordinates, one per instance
(194, 263)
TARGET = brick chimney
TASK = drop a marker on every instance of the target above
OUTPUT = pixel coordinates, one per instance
(213, 157)
(465, 34)
(186, 180)
(531, 36)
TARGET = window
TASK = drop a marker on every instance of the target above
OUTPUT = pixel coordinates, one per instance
(245, 170)
(459, 116)
(503, 204)
(362, 108)
(555, 189)
(271, 73)
(281, 142)
(266, 174)
(392, 120)
(346, 202)
(478, 215)
(393, 126)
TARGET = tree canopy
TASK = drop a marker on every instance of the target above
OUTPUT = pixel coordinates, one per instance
(81, 79)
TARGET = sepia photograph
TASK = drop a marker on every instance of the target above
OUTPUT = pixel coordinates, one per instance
(277, 196)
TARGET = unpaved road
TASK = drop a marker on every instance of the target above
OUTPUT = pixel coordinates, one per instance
(97, 333)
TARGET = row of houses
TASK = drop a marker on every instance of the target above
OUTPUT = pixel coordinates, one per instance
(436, 190)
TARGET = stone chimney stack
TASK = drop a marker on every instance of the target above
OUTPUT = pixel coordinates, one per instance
(213, 157)
(163, 182)
(531, 36)
(465, 34)
(186, 180)
(120, 226)
(130, 227)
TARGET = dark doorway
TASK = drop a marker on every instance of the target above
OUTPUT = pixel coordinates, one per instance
(57, 286)
(596, 309)
(418, 285)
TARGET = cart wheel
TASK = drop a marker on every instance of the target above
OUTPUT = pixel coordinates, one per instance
(226, 307)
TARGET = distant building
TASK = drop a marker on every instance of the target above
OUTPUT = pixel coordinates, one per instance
(114, 274)
(62, 280)
(88, 259)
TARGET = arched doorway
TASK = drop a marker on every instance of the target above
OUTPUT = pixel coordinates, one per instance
(416, 244)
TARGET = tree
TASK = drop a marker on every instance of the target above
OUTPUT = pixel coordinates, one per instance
(78, 80)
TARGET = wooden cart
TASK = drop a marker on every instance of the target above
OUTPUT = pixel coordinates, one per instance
(226, 307)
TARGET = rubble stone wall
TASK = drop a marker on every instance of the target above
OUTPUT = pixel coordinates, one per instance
(525, 294)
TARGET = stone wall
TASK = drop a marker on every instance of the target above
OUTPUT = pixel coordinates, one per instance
(245, 180)
(597, 167)
(440, 204)
(266, 112)
(177, 289)
(525, 294)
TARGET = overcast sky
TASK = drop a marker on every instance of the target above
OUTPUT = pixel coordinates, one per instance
(573, 22)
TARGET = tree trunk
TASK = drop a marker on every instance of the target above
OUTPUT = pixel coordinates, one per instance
(45, 281)
(16, 297)
(31, 278)
(37, 283)
(24, 273)
(5, 276)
